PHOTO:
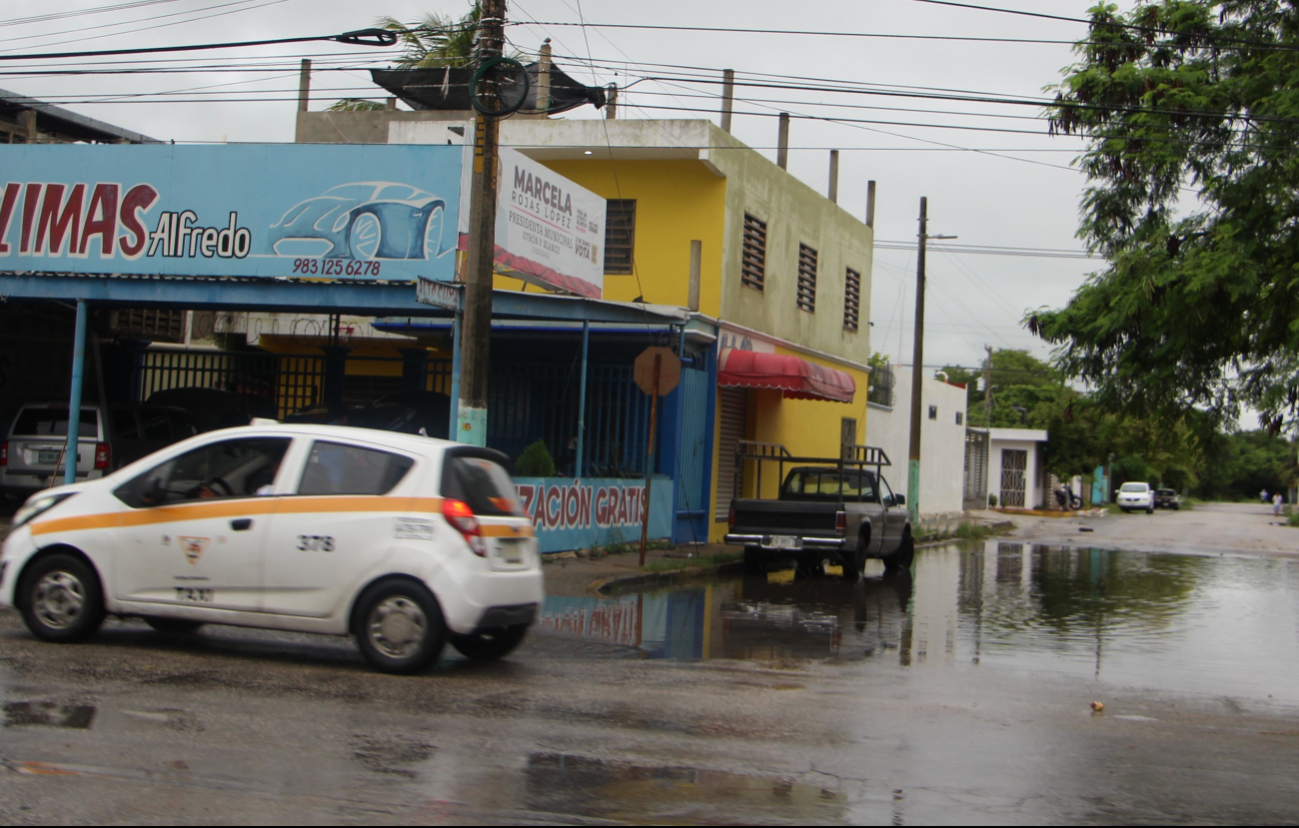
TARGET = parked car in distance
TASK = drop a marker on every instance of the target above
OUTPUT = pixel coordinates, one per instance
(1167, 499)
(213, 408)
(108, 437)
(404, 542)
(1137, 496)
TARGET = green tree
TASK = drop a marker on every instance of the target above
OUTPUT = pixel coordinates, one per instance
(1191, 111)
(435, 40)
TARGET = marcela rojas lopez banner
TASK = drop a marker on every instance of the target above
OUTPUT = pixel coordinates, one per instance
(549, 231)
(279, 210)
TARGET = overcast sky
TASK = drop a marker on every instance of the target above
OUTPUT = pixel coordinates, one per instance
(1023, 194)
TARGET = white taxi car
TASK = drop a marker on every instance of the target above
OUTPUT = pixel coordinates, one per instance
(403, 541)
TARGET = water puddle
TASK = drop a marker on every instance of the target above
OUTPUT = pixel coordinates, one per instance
(609, 790)
(1212, 625)
(48, 714)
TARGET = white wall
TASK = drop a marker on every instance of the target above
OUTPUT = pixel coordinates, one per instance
(942, 441)
(1025, 440)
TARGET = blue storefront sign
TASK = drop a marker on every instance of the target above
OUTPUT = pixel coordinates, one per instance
(273, 210)
(578, 514)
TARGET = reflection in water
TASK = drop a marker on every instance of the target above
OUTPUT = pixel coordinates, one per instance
(597, 788)
(1212, 625)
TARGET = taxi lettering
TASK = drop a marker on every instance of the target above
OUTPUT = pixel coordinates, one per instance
(201, 595)
(315, 543)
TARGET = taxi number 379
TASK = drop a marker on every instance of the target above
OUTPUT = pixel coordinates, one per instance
(315, 543)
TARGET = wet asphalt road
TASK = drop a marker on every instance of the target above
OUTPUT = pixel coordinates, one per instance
(959, 695)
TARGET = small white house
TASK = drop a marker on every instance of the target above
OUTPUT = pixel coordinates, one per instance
(942, 441)
(1015, 470)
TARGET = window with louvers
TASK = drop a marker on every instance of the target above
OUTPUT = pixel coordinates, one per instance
(806, 278)
(851, 300)
(619, 235)
(753, 270)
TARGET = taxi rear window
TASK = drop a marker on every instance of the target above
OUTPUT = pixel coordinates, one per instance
(481, 483)
(340, 469)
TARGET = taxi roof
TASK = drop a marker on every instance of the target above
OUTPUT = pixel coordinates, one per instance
(409, 442)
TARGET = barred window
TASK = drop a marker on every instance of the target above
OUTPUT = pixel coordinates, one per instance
(851, 300)
(753, 269)
(806, 278)
(619, 235)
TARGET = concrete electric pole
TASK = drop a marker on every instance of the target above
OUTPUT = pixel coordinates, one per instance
(917, 367)
(476, 332)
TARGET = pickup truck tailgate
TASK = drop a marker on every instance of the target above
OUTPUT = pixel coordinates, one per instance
(775, 517)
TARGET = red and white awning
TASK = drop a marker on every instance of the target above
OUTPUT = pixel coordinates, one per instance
(798, 378)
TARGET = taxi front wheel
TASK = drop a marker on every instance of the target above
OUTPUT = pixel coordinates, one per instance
(61, 599)
(399, 627)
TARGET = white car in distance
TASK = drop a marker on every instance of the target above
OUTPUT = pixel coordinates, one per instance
(402, 541)
(1137, 496)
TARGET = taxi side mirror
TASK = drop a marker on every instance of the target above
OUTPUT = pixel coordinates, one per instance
(899, 500)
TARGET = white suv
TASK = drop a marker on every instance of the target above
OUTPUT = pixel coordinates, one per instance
(1137, 496)
(405, 542)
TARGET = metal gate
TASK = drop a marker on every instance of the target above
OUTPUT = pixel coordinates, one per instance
(975, 495)
(1014, 469)
(733, 403)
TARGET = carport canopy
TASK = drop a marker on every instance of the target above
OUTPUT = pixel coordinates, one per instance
(798, 378)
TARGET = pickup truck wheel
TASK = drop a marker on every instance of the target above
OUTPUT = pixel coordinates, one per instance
(752, 560)
(900, 561)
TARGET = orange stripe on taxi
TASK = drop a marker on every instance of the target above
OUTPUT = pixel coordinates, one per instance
(287, 505)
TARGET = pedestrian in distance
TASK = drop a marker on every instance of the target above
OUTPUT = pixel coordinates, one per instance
(1277, 500)
(1262, 496)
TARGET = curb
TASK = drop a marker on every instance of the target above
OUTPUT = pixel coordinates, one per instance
(602, 587)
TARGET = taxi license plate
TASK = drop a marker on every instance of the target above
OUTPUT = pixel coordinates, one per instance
(786, 542)
(47, 458)
(511, 550)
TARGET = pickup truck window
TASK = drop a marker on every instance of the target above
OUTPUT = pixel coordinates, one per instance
(828, 484)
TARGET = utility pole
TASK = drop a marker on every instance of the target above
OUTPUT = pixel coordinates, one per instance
(917, 366)
(476, 332)
(987, 386)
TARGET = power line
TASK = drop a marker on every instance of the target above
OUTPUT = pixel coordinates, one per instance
(363, 37)
(45, 18)
(262, 4)
(812, 33)
(1262, 45)
(1135, 27)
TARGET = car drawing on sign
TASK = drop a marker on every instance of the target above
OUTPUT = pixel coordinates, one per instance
(404, 542)
(364, 221)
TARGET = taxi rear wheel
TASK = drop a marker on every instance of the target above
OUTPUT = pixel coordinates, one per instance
(399, 627)
(61, 599)
(488, 645)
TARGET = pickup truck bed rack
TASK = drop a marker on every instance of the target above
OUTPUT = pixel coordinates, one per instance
(852, 457)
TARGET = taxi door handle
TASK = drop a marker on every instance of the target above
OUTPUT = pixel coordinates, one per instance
(241, 524)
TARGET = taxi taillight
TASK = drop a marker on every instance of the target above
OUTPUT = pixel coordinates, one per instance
(840, 522)
(463, 520)
(4, 453)
(102, 455)
(730, 518)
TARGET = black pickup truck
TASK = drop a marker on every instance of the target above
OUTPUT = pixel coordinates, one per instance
(839, 510)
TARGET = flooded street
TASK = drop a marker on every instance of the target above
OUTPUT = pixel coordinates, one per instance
(1210, 625)
(961, 693)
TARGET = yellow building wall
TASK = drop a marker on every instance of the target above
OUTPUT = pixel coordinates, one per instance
(808, 428)
(676, 201)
